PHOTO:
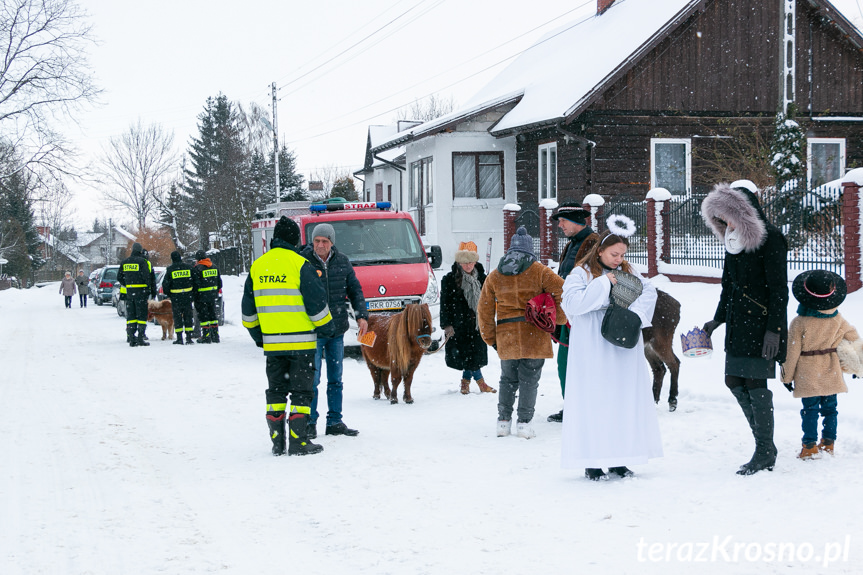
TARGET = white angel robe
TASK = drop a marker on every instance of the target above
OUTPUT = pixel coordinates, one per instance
(610, 417)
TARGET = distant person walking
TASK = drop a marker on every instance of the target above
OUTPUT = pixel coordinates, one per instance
(754, 306)
(67, 288)
(81, 283)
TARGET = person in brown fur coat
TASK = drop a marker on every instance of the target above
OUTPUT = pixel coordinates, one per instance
(522, 347)
(812, 369)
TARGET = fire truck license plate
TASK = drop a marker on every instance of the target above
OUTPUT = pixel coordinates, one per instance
(385, 304)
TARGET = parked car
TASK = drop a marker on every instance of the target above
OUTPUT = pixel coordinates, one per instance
(91, 283)
(105, 284)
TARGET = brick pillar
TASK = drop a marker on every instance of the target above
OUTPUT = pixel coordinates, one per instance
(652, 255)
(851, 238)
(510, 212)
(546, 234)
(665, 214)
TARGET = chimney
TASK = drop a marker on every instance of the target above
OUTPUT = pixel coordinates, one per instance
(602, 6)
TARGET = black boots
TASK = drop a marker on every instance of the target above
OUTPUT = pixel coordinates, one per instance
(277, 432)
(555, 417)
(142, 335)
(621, 471)
(214, 333)
(595, 474)
(131, 338)
(298, 442)
(179, 339)
(757, 406)
(189, 338)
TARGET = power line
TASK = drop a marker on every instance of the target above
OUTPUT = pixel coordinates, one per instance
(355, 44)
(328, 132)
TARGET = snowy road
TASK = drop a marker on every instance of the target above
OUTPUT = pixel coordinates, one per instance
(156, 460)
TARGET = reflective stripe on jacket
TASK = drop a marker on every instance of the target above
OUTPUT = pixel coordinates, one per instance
(284, 302)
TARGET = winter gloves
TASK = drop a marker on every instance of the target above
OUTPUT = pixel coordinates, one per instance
(771, 345)
(710, 326)
(448, 331)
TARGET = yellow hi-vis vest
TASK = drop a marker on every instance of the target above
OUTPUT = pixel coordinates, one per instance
(281, 312)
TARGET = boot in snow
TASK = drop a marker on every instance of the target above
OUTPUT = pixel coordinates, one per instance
(809, 452)
(465, 386)
(595, 474)
(276, 423)
(762, 418)
(214, 333)
(826, 445)
(298, 442)
(621, 471)
(504, 428)
(142, 335)
(525, 430)
(131, 339)
(189, 338)
(484, 387)
(555, 417)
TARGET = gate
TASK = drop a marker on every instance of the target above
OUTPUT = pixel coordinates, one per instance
(692, 242)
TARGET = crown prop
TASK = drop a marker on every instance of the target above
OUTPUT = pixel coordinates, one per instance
(696, 343)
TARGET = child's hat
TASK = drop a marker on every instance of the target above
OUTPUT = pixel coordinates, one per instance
(819, 289)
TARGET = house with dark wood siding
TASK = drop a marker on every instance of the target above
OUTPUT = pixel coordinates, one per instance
(641, 93)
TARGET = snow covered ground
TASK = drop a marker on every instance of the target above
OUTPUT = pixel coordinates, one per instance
(157, 460)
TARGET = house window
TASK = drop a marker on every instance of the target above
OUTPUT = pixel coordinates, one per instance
(422, 185)
(548, 171)
(825, 159)
(671, 164)
(477, 175)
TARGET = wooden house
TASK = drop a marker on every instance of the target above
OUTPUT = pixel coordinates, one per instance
(638, 93)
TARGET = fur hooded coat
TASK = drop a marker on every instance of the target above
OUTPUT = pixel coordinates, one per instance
(465, 349)
(754, 298)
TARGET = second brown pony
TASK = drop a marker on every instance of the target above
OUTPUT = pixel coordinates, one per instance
(401, 340)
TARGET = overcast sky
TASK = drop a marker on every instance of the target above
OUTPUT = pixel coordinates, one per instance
(340, 65)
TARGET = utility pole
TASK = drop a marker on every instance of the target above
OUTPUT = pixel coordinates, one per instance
(275, 144)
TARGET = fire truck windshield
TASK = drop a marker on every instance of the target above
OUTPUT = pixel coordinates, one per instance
(375, 241)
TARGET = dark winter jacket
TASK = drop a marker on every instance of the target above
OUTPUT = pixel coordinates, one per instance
(179, 282)
(754, 296)
(465, 349)
(136, 275)
(342, 285)
(567, 258)
(207, 280)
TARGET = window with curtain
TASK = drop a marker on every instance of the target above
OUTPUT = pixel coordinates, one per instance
(825, 161)
(671, 165)
(477, 175)
(421, 183)
(548, 171)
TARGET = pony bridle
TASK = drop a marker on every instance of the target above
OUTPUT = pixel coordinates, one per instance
(424, 341)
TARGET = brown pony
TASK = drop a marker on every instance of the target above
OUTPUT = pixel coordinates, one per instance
(658, 338)
(401, 340)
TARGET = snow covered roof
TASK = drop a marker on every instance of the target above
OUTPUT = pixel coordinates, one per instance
(87, 238)
(125, 234)
(68, 250)
(560, 74)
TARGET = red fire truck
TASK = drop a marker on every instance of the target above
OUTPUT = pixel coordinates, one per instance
(382, 244)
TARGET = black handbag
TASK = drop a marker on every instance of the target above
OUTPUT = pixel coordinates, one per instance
(621, 326)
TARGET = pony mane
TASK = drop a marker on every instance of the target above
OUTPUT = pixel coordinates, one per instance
(403, 330)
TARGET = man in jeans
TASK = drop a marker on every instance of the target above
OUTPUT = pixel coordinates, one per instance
(521, 346)
(342, 285)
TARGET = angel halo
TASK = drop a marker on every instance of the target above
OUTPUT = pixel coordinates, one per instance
(620, 225)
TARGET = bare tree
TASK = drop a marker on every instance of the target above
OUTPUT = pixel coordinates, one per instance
(428, 109)
(44, 75)
(328, 175)
(137, 168)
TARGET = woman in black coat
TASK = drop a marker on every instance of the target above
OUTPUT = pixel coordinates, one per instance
(460, 289)
(753, 305)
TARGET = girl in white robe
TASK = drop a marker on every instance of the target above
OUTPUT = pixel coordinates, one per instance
(610, 415)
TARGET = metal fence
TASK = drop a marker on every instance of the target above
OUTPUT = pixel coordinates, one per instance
(692, 243)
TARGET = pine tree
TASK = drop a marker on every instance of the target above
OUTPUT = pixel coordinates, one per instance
(19, 238)
(788, 150)
(344, 188)
(290, 181)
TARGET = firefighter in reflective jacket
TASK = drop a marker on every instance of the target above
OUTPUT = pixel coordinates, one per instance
(208, 282)
(284, 308)
(179, 286)
(137, 277)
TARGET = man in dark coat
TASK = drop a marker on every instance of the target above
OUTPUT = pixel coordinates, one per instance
(136, 275)
(572, 220)
(753, 305)
(341, 282)
(465, 348)
(179, 286)
(208, 282)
